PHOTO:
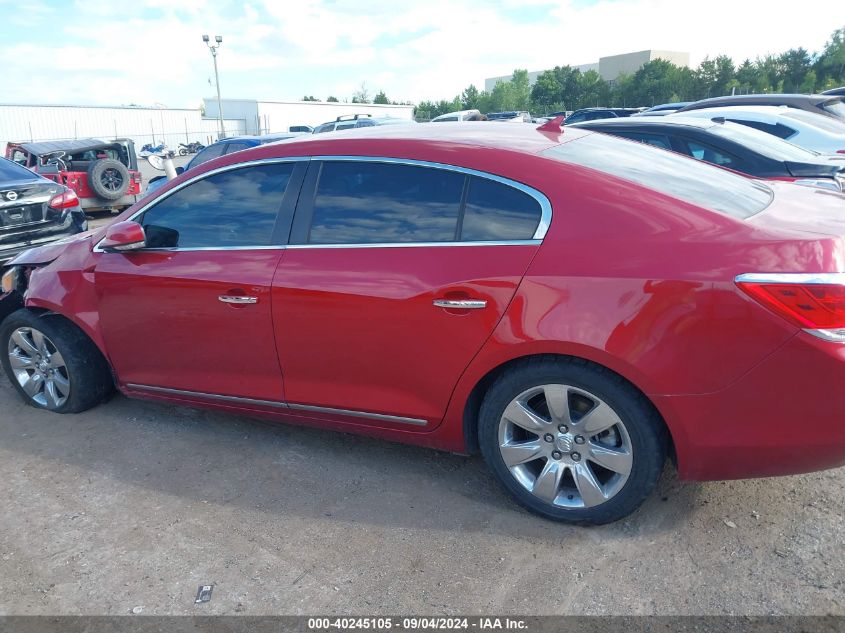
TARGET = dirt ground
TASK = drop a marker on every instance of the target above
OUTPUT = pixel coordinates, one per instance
(134, 505)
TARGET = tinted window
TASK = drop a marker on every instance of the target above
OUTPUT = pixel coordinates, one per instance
(657, 140)
(232, 208)
(666, 172)
(345, 125)
(444, 120)
(709, 154)
(779, 130)
(236, 147)
(365, 123)
(762, 143)
(367, 203)
(13, 171)
(212, 151)
(325, 127)
(495, 211)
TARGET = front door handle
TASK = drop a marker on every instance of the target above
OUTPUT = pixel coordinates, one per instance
(237, 299)
(460, 304)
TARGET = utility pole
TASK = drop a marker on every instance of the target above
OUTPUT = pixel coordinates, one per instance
(213, 48)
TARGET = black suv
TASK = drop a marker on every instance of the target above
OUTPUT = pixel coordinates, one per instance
(730, 145)
(593, 114)
(34, 210)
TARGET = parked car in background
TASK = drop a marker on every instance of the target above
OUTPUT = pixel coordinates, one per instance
(307, 129)
(811, 131)
(34, 210)
(520, 116)
(662, 109)
(714, 329)
(827, 105)
(350, 121)
(732, 146)
(593, 114)
(220, 148)
(103, 174)
(839, 92)
(463, 115)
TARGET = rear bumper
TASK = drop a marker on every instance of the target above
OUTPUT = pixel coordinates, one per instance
(98, 204)
(786, 416)
(13, 245)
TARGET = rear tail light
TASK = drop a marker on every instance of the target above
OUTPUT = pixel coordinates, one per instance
(813, 302)
(64, 200)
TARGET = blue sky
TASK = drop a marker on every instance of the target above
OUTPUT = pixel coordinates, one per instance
(151, 51)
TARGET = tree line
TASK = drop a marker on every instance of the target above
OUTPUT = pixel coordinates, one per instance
(658, 81)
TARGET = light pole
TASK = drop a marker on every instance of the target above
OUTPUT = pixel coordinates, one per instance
(213, 48)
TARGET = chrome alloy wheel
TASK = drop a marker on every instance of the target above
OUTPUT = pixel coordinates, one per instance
(39, 367)
(565, 445)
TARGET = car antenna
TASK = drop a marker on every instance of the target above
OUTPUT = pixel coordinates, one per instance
(718, 119)
(553, 125)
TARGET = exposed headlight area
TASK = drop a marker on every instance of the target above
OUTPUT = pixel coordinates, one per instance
(10, 280)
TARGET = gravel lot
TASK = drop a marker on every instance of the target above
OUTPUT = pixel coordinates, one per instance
(136, 504)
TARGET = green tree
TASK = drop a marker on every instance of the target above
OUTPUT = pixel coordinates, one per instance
(830, 65)
(362, 95)
(309, 98)
(795, 64)
(746, 75)
(469, 98)
(332, 100)
(381, 98)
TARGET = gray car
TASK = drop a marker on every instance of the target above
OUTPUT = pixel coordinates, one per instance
(826, 104)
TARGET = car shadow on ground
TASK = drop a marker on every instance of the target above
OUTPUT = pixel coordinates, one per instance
(278, 469)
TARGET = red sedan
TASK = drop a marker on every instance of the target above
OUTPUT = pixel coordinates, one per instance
(574, 306)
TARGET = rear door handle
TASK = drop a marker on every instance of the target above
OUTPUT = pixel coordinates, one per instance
(461, 304)
(237, 299)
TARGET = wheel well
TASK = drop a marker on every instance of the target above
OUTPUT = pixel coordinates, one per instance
(476, 397)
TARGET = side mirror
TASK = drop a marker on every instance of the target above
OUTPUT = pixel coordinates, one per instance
(123, 236)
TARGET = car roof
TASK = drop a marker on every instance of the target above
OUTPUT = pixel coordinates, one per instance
(526, 139)
(627, 122)
(759, 99)
(47, 147)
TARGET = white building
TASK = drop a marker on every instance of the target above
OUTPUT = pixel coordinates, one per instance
(143, 125)
(609, 67)
(264, 117)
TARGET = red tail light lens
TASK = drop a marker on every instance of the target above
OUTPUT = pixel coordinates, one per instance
(64, 200)
(814, 302)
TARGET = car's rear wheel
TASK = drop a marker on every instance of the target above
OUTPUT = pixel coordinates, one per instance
(52, 363)
(571, 440)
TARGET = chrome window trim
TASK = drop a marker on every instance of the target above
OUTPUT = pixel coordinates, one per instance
(536, 239)
(542, 200)
(792, 278)
(278, 404)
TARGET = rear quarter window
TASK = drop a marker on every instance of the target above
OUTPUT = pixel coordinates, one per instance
(683, 178)
(12, 171)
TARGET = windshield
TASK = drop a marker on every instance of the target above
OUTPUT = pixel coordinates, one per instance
(762, 142)
(820, 121)
(678, 176)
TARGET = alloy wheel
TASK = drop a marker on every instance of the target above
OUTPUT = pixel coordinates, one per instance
(39, 368)
(566, 446)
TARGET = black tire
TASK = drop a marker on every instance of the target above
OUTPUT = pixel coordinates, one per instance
(108, 178)
(86, 370)
(645, 431)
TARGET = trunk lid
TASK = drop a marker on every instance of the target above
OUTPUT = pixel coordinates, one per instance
(25, 203)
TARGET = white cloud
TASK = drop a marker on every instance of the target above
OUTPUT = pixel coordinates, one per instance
(281, 50)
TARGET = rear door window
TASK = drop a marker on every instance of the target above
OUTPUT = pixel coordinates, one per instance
(364, 202)
(666, 172)
(657, 140)
(234, 208)
(710, 154)
(236, 147)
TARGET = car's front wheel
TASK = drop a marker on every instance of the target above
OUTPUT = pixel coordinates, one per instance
(571, 440)
(52, 363)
